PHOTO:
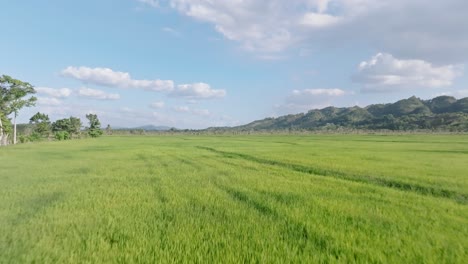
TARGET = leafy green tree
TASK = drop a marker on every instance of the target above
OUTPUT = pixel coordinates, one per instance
(61, 125)
(75, 126)
(94, 129)
(70, 125)
(41, 124)
(12, 94)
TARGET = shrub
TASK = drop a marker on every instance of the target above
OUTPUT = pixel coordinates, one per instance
(34, 137)
(62, 135)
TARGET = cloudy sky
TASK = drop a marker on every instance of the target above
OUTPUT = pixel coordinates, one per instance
(201, 63)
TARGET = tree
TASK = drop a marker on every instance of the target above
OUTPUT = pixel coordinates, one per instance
(108, 130)
(75, 125)
(94, 129)
(41, 124)
(70, 125)
(11, 100)
(61, 125)
(5, 129)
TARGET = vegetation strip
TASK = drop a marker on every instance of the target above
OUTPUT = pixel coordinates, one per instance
(459, 198)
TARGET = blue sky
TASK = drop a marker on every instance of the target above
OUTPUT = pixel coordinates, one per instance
(201, 63)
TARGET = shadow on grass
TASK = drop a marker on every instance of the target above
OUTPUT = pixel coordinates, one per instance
(424, 190)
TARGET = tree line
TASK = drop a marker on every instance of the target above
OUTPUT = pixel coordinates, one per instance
(16, 95)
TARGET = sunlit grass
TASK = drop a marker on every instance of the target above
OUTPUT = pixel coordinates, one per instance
(397, 199)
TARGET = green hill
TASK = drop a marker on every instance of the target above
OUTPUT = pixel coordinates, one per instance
(443, 113)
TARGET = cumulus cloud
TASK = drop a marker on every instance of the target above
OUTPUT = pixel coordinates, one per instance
(408, 29)
(266, 26)
(56, 93)
(317, 20)
(186, 109)
(157, 105)
(271, 26)
(110, 78)
(97, 94)
(197, 91)
(48, 101)
(318, 92)
(307, 99)
(383, 72)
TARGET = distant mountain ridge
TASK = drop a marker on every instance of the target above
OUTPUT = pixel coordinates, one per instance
(146, 128)
(154, 128)
(440, 113)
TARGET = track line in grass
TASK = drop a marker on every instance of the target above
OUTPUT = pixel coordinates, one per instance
(36, 205)
(424, 190)
(294, 233)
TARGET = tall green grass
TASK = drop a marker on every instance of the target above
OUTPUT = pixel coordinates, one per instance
(273, 199)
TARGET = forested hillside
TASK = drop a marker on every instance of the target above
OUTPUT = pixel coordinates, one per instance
(443, 113)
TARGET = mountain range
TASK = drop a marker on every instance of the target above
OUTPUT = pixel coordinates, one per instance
(444, 113)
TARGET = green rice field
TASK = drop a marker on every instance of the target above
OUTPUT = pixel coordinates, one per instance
(236, 199)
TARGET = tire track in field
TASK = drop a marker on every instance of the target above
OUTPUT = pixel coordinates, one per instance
(424, 190)
(293, 232)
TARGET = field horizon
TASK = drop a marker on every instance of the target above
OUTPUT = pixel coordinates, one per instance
(248, 198)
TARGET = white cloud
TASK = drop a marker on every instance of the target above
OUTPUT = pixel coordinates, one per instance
(201, 112)
(317, 92)
(48, 101)
(383, 72)
(181, 109)
(429, 30)
(57, 93)
(186, 109)
(158, 105)
(317, 20)
(433, 31)
(457, 93)
(269, 26)
(198, 91)
(97, 94)
(240, 21)
(307, 99)
(110, 78)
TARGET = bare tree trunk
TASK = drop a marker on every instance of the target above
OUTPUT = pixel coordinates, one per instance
(1, 132)
(4, 140)
(14, 130)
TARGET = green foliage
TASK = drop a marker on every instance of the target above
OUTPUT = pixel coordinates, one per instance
(94, 129)
(70, 125)
(23, 139)
(62, 135)
(41, 124)
(61, 125)
(35, 136)
(95, 132)
(12, 94)
(6, 124)
(75, 125)
(236, 199)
